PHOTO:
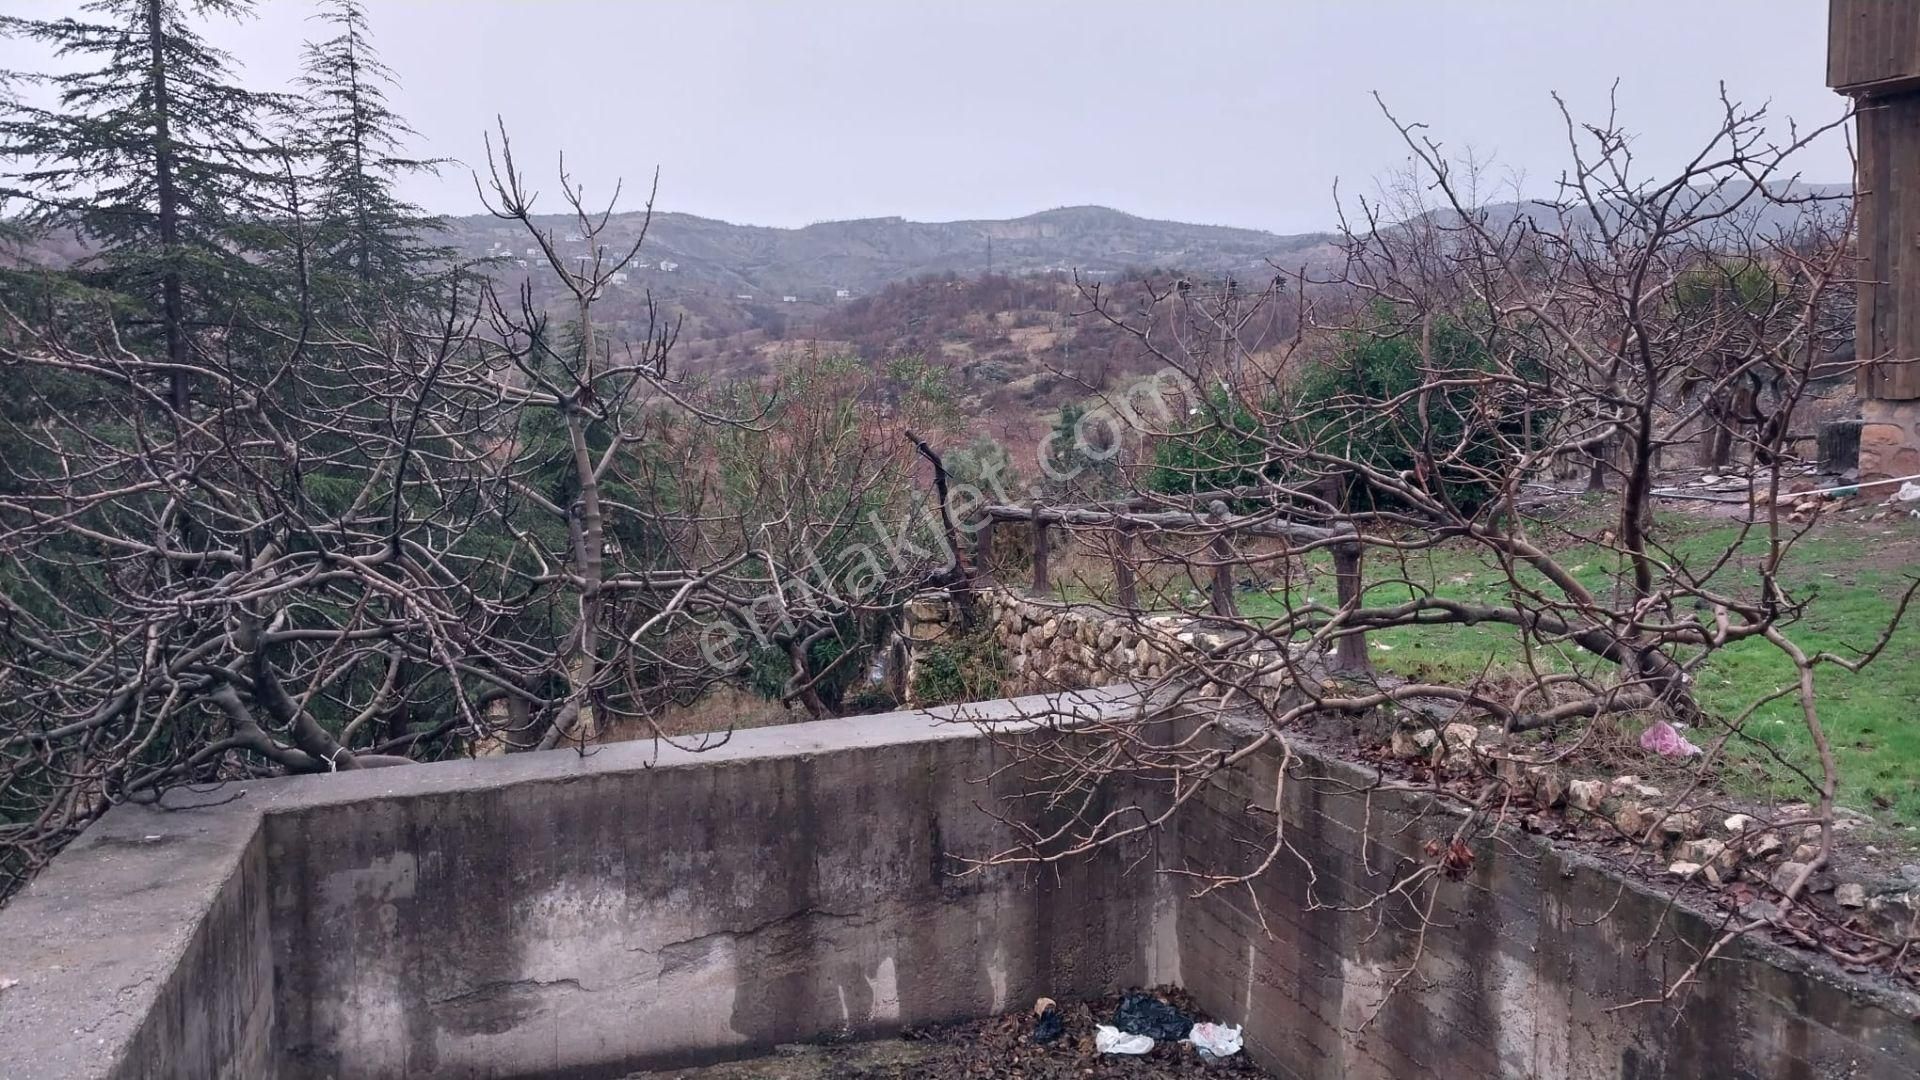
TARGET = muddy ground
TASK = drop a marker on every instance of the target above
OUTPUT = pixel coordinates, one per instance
(991, 1049)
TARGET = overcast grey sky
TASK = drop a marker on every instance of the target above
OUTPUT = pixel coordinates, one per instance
(1227, 113)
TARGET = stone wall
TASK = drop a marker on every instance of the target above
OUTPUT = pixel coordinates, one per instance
(1889, 440)
(1052, 645)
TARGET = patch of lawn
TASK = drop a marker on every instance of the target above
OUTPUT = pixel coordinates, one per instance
(1850, 576)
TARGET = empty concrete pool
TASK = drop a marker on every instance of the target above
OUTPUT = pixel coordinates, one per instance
(632, 909)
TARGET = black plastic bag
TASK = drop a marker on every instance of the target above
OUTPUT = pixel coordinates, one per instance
(1143, 1014)
(1048, 1026)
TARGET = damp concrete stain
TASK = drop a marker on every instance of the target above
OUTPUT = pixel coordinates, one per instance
(882, 1060)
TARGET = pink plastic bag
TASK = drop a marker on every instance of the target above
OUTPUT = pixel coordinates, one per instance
(1662, 739)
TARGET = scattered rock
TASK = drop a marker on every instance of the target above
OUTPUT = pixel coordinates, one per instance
(1685, 869)
(1459, 740)
(1851, 894)
(1707, 852)
(1510, 771)
(1760, 910)
(1634, 819)
(1740, 823)
(1785, 875)
(1680, 825)
(1548, 784)
(1805, 853)
(1405, 744)
(1587, 795)
(1895, 915)
(1631, 786)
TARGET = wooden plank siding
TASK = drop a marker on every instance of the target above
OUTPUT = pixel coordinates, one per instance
(1873, 45)
(1888, 189)
(1873, 54)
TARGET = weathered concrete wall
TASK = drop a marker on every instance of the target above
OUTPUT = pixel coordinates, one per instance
(557, 914)
(636, 916)
(561, 915)
(1522, 973)
(143, 952)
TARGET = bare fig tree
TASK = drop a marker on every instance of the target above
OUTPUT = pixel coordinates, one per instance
(378, 536)
(1435, 384)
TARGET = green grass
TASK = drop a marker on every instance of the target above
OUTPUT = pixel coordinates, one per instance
(1850, 574)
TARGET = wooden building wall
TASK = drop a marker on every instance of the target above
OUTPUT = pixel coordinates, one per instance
(1873, 53)
(1873, 44)
(1888, 189)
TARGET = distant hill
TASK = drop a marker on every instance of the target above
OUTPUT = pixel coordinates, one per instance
(723, 279)
(888, 287)
(815, 262)
(1791, 205)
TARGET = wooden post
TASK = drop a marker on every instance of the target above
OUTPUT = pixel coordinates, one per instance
(1597, 467)
(1125, 594)
(983, 549)
(1040, 584)
(1349, 650)
(1222, 563)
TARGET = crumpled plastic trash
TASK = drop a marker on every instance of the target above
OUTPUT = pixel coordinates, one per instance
(1909, 492)
(1111, 1040)
(1215, 1040)
(1143, 1014)
(1662, 739)
(1048, 1025)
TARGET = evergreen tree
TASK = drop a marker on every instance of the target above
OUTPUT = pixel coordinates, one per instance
(367, 238)
(153, 154)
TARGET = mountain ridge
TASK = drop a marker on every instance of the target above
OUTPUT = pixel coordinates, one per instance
(813, 262)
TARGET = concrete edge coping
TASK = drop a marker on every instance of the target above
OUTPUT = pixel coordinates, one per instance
(92, 942)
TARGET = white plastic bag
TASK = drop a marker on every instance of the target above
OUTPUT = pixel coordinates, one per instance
(1215, 1040)
(1111, 1040)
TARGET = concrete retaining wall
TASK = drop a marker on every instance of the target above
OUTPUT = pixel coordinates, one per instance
(1523, 970)
(560, 915)
(653, 917)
